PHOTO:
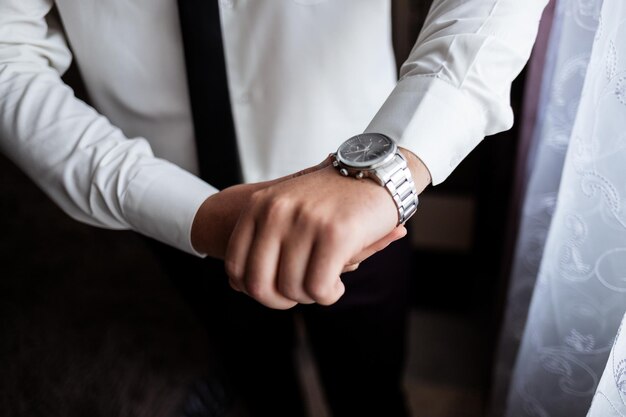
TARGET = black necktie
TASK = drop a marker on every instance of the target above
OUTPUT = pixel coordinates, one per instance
(208, 92)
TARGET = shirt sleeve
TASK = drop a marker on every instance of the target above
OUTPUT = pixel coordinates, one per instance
(454, 88)
(86, 165)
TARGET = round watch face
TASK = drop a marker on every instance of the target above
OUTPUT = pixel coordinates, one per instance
(366, 150)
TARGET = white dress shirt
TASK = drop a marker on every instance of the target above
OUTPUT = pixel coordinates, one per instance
(304, 75)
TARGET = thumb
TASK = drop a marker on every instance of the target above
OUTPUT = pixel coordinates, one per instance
(396, 234)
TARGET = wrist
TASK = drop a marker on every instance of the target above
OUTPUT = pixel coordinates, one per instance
(216, 218)
(419, 171)
(376, 156)
(205, 233)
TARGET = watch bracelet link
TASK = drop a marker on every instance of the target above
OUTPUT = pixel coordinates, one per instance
(397, 179)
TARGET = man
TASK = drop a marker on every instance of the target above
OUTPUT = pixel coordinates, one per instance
(303, 76)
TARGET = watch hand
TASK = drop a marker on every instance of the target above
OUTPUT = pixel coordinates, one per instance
(362, 151)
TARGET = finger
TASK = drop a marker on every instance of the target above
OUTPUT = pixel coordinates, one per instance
(396, 234)
(260, 280)
(350, 268)
(293, 265)
(322, 280)
(237, 250)
(234, 285)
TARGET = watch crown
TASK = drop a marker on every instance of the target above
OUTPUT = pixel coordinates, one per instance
(343, 172)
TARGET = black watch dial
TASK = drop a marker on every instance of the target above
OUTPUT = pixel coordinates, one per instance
(366, 150)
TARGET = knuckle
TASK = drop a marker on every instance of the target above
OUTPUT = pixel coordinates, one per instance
(291, 291)
(333, 232)
(233, 271)
(322, 293)
(258, 196)
(306, 214)
(256, 290)
(283, 306)
(277, 207)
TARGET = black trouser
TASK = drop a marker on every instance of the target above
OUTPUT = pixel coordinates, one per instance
(358, 343)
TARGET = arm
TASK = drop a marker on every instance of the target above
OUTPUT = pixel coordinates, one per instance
(218, 215)
(86, 165)
(454, 88)
(292, 240)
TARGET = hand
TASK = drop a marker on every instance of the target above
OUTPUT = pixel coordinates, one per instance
(218, 214)
(295, 237)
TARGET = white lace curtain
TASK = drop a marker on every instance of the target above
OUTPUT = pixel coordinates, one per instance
(570, 258)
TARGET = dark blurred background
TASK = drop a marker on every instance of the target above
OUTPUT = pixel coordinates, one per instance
(90, 326)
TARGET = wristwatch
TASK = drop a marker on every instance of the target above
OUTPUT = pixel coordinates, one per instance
(376, 156)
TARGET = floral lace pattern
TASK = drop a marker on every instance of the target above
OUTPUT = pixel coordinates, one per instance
(610, 398)
(559, 97)
(579, 296)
